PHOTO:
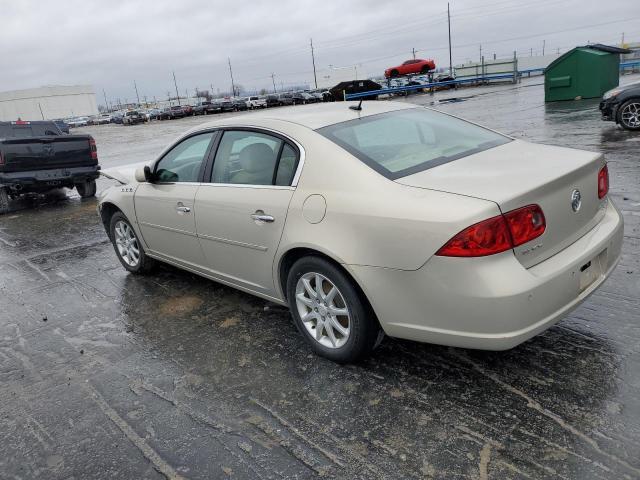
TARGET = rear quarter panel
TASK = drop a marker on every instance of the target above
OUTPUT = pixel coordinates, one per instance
(370, 220)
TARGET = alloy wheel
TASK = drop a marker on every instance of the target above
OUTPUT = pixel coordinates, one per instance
(127, 243)
(630, 115)
(323, 310)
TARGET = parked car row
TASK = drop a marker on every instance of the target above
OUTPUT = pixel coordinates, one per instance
(134, 117)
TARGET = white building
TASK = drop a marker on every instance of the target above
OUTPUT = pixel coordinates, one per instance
(48, 103)
(332, 76)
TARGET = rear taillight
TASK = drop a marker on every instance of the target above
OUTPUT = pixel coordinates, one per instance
(93, 149)
(497, 234)
(603, 182)
(525, 224)
(484, 238)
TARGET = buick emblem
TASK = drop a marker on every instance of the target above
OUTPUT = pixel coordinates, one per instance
(576, 200)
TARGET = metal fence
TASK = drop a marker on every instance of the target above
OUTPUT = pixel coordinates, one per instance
(512, 76)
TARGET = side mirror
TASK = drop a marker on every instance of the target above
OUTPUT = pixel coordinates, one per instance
(144, 174)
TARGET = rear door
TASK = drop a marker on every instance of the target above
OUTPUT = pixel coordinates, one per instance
(242, 209)
(165, 209)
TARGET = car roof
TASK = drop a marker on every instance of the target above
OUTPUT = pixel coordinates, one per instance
(312, 116)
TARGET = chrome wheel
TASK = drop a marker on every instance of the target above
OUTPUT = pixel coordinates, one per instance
(323, 310)
(127, 243)
(630, 115)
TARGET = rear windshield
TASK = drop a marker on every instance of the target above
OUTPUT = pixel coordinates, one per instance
(29, 130)
(404, 142)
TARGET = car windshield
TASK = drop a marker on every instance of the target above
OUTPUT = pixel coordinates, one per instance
(400, 143)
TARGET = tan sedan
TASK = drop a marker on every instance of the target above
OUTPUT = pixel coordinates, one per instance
(391, 219)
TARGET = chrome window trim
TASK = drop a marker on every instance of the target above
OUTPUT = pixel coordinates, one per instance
(248, 185)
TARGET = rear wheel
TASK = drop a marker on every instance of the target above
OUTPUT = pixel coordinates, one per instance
(86, 189)
(330, 312)
(629, 114)
(127, 246)
(4, 200)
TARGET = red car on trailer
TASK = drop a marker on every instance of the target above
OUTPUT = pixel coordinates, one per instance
(410, 67)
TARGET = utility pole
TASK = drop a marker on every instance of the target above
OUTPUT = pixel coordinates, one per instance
(622, 42)
(274, 83)
(137, 96)
(233, 86)
(449, 24)
(543, 45)
(169, 98)
(413, 51)
(313, 60)
(176, 85)
(531, 52)
(480, 52)
(106, 104)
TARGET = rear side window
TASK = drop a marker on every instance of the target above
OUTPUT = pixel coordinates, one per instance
(254, 158)
(404, 142)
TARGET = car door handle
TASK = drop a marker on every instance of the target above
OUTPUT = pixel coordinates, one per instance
(182, 209)
(260, 216)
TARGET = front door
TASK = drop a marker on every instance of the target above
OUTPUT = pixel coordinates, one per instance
(241, 211)
(165, 209)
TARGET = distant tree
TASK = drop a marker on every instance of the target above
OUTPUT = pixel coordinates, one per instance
(263, 91)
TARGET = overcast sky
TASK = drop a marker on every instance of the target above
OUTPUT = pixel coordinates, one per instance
(109, 44)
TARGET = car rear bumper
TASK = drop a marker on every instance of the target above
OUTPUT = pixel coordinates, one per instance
(491, 303)
(48, 178)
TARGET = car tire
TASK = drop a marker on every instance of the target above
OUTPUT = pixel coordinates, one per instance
(86, 189)
(125, 243)
(321, 296)
(629, 114)
(4, 200)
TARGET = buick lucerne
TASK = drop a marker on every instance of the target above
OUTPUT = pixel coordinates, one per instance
(390, 219)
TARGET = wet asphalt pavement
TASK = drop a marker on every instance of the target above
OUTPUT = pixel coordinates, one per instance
(109, 375)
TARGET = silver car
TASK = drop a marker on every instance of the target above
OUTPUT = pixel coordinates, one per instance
(389, 219)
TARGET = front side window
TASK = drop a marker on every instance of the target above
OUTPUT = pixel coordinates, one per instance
(400, 143)
(253, 158)
(184, 161)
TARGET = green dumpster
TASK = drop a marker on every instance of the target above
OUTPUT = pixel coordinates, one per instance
(584, 72)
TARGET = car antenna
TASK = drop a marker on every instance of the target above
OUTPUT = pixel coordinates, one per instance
(356, 107)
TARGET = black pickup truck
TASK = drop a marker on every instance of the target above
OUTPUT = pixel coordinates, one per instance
(36, 157)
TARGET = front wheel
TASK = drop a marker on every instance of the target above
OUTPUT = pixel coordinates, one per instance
(330, 312)
(127, 246)
(86, 189)
(629, 116)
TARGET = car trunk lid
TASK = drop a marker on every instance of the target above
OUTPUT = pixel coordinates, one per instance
(519, 173)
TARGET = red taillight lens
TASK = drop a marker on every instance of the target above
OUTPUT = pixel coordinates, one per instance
(497, 234)
(525, 224)
(603, 182)
(93, 149)
(484, 238)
